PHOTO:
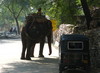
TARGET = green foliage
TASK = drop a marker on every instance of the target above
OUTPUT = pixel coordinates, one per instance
(5, 16)
(61, 10)
(15, 7)
(64, 11)
(93, 3)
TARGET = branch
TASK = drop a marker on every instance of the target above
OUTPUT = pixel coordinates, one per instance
(19, 12)
(12, 11)
(9, 9)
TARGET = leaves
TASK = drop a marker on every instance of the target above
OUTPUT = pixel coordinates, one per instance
(61, 10)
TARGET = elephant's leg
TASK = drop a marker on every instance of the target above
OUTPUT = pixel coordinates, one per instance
(23, 52)
(28, 57)
(32, 50)
(23, 45)
(41, 48)
(49, 38)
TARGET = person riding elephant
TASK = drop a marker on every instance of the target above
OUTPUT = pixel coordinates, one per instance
(39, 11)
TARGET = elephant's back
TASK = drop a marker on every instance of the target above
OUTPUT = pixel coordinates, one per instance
(37, 27)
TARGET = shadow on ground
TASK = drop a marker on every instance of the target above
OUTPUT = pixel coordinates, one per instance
(2, 41)
(74, 71)
(37, 65)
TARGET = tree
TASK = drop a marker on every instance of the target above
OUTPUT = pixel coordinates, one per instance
(64, 11)
(5, 17)
(86, 12)
(93, 4)
(88, 6)
(15, 7)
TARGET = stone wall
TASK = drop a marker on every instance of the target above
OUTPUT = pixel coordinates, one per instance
(93, 34)
(63, 29)
(94, 40)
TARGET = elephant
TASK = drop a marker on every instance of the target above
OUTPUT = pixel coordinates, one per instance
(37, 28)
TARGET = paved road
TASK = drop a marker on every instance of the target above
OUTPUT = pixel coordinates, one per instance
(10, 51)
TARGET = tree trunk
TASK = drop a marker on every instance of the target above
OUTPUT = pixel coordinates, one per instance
(18, 29)
(86, 12)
